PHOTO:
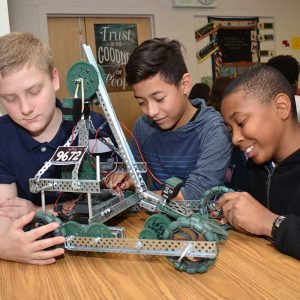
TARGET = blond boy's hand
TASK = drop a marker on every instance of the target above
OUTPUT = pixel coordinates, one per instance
(25, 247)
(16, 207)
(245, 213)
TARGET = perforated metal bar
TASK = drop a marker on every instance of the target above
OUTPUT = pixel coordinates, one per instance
(152, 247)
(115, 209)
(64, 185)
(179, 208)
(111, 117)
(48, 164)
(191, 204)
(120, 166)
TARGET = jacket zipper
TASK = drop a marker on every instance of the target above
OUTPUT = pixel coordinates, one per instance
(270, 173)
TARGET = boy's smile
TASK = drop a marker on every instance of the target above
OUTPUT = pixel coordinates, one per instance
(166, 104)
(28, 96)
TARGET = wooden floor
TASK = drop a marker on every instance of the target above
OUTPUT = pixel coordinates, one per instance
(246, 268)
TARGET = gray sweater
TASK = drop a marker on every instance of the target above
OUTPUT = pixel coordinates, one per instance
(198, 152)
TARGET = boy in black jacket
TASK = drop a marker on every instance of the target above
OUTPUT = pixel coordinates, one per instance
(259, 108)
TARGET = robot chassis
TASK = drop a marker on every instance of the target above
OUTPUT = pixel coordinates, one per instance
(174, 229)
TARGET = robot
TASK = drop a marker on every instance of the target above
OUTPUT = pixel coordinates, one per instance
(183, 231)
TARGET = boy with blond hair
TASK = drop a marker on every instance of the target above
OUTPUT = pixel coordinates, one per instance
(29, 135)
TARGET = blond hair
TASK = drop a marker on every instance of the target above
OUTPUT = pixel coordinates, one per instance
(18, 49)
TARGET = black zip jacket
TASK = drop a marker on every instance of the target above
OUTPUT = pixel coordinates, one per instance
(278, 189)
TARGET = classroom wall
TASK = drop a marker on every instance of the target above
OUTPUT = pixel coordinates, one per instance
(4, 20)
(178, 23)
(4, 28)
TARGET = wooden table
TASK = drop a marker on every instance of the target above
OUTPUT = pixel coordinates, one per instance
(246, 268)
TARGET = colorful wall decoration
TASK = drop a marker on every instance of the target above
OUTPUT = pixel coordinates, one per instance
(234, 44)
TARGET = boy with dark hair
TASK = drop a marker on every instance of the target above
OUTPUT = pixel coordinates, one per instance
(199, 90)
(259, 108)
(29, 135)
(176, 136)
(216, 92)
(235, 175)
(288, 66)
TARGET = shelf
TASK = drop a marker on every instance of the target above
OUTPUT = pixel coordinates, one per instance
(200, 60)
(201, 37)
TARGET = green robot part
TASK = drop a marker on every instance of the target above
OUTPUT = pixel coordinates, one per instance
(85, 71)
(41, 219)
(208, 202)
(156, 223)
(186, 228)
(73, 228)
(148, 234)
(98, 230)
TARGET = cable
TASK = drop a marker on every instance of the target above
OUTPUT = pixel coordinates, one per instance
(72, 138)
(56, 201)
(111, 171)
(82, 95)
(140, 152)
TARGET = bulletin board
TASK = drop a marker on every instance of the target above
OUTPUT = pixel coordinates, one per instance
(235, 44)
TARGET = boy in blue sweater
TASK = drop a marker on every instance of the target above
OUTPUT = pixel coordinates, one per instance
(176, 136)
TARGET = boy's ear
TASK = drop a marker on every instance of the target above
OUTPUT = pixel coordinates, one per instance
(55, 79)
(186, 83)
(283, 106)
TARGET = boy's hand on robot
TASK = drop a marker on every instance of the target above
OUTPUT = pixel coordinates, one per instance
(245, 213)
(29, 247)
(16, 207)
(118, 181)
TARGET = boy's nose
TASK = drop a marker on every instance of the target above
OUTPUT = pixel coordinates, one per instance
(152, 110)
(237, 137)
(26, 107)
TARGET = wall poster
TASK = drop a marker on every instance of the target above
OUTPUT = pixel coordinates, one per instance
(114, 44)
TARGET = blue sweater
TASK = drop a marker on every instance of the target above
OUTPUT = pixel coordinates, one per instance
(198, 152)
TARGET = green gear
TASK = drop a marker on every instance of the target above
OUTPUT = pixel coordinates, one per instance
(98, 230)
(148, 234)
(87, 72)
(177, 229)
(86, 170)
(73, 228)
(42, 218)
(218, 229)
(209, 200)
(158, 223)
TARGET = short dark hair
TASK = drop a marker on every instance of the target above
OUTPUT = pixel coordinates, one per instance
(156, 56)
(217, 90)
(199, 90)
(287, 65)
(263, 83)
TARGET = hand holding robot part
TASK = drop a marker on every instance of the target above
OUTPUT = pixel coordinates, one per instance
(119, 181)
(245, 213)
(27, 247)
(16, 207)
